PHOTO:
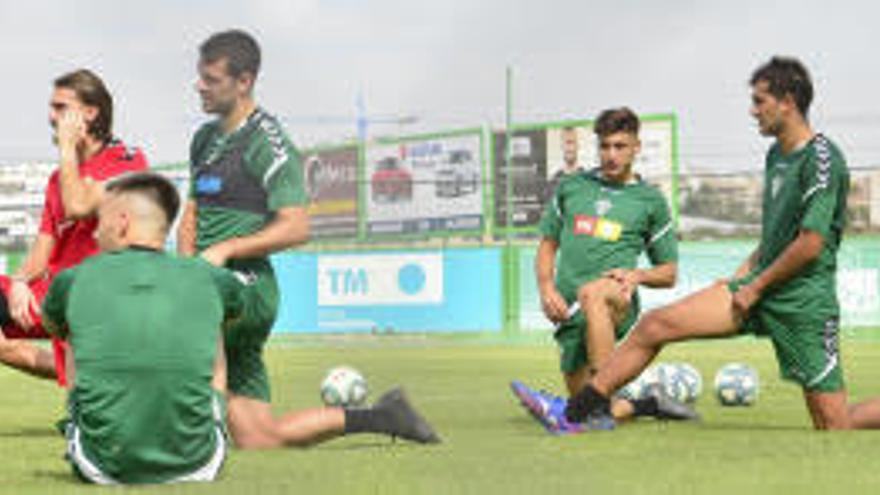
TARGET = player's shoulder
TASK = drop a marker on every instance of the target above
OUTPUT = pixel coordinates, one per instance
(118, 157)
(268, 130)
(646, 190)
(826, 150)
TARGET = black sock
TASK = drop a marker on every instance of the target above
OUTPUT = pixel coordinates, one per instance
(367, 420)
(644, 407)
(587, 402)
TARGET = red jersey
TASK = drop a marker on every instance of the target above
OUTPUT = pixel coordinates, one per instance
(74, 239)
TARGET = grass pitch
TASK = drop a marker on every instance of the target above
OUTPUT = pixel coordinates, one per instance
(490, 444)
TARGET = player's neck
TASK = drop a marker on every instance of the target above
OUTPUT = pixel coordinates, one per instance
(235, 118)
(795, 137)
(89, 148)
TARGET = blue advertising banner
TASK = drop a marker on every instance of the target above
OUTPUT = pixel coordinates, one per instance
(454, 290)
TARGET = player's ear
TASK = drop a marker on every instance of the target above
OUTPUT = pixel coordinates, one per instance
(90, 113)
(245, 82)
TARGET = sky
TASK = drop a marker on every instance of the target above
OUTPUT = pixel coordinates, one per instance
(443, 63)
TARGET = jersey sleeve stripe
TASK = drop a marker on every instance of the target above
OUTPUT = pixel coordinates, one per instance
(666, 229)
(823, 167)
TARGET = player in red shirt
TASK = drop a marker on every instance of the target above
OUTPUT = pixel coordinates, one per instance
(81, 115)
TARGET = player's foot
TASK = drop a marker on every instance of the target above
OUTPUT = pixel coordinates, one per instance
(405, 421)
(670, 409)
(590, 409)
(546, 408)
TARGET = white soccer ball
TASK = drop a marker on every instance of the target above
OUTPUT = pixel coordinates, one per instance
(640, 387)
(681, 381)
(736, 384)
(344, 386)
(689, 379)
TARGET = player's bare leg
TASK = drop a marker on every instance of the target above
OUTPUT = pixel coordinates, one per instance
(604, 306)
(866, 414)
(704, 314)
(830, 412)
(27, 357)
(253, 425)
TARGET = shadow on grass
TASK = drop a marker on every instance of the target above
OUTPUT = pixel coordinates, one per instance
(30, 432)
(721, 426)
(64, 476)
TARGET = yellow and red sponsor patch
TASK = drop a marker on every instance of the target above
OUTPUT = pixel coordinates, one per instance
(599, 227)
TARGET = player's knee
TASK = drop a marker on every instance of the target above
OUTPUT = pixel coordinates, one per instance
(652, 329)
(594, 291)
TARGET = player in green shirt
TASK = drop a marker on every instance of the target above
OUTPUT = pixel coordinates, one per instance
(787, 288)
(594, 228)
(144, 330)
(248, 201)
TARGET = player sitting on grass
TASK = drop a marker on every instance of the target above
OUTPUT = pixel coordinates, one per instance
(598, 223)
(145, 333)
(787, 288)
(81, 116)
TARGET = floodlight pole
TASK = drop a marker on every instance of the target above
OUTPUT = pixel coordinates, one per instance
(511, 271)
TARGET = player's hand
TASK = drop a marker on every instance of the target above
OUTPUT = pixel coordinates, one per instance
(22, 304)
(218, 254)
(745, 298)
(628, 279)
(554, 305)
(71, 130)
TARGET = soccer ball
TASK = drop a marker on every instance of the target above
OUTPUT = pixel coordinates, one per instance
(736, 384)
(690, 379)
(681, 381)
(343, 386)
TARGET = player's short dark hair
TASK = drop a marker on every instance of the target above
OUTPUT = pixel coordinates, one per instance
(152, 186)
(240, 49)
(786, 76)
(90, 90)
(616, 120)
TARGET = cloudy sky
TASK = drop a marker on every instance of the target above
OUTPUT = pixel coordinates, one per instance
(444, 62)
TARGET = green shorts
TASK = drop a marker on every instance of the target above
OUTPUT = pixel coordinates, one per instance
(571, 334)
(246, 337)
(806, 342)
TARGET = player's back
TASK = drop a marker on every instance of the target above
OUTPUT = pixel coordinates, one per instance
(144, 328)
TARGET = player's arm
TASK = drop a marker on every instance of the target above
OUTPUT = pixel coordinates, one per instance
(659, 277)
(218, 382)
(824, 182)
(79, 195)
(748, 265)
(22, 302)
(662, 250)
(186, 230)
(802, 251)
(289, 228)
(552, 302)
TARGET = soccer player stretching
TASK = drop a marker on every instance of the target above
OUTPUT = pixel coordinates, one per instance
(248, 201)
(787, 288)
(596, 224)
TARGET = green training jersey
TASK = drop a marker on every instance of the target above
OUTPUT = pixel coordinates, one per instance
(240, 179)
(804, 190)
(600, 225)
(143, 326)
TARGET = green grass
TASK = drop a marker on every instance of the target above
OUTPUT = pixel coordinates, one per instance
(490, 444)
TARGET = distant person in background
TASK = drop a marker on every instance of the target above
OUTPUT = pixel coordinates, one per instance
(568, 138)
(81, 116)
(593, 230)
